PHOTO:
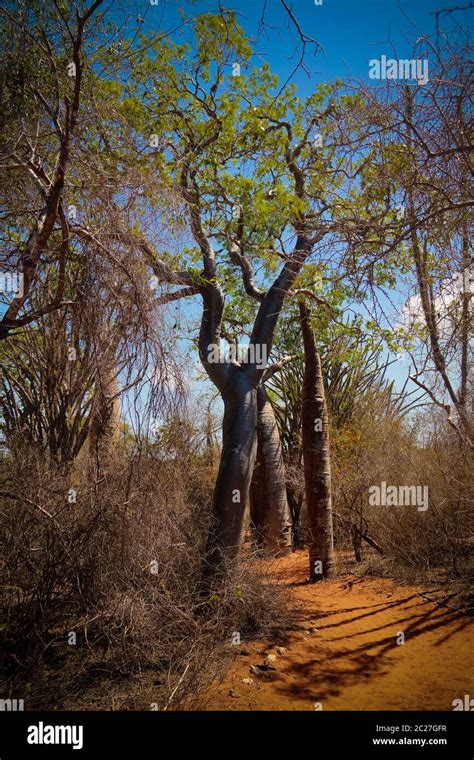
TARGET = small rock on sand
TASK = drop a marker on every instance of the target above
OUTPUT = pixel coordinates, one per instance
(270, 661)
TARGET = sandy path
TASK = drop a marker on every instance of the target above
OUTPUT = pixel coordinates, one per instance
(344, 653)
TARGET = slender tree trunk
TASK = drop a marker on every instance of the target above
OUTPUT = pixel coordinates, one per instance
(295, 503)
(105, 416)
(269, 510)
(210, 441)
(316, 457)
(356, 542)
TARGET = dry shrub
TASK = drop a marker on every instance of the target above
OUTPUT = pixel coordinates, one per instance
(435, 544)
(118, 567)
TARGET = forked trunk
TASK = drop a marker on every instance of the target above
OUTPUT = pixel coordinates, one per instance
(238, 385)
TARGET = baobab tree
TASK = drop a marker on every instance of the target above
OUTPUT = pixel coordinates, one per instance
(238, 220)
(316, 457)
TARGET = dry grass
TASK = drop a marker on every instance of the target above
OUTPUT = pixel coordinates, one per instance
(118, 573)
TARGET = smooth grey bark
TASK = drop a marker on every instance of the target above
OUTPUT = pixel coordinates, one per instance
(231, 492)
(238, 385)
(316, 458)
(269, 511)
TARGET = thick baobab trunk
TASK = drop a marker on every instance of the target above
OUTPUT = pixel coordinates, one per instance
(269, 512)
(316, 457)
(231, 493)
(238, 385)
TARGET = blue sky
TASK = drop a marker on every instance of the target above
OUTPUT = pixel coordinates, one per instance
(351, 32)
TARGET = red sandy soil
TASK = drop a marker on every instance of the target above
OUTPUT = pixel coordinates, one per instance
(343, 651)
